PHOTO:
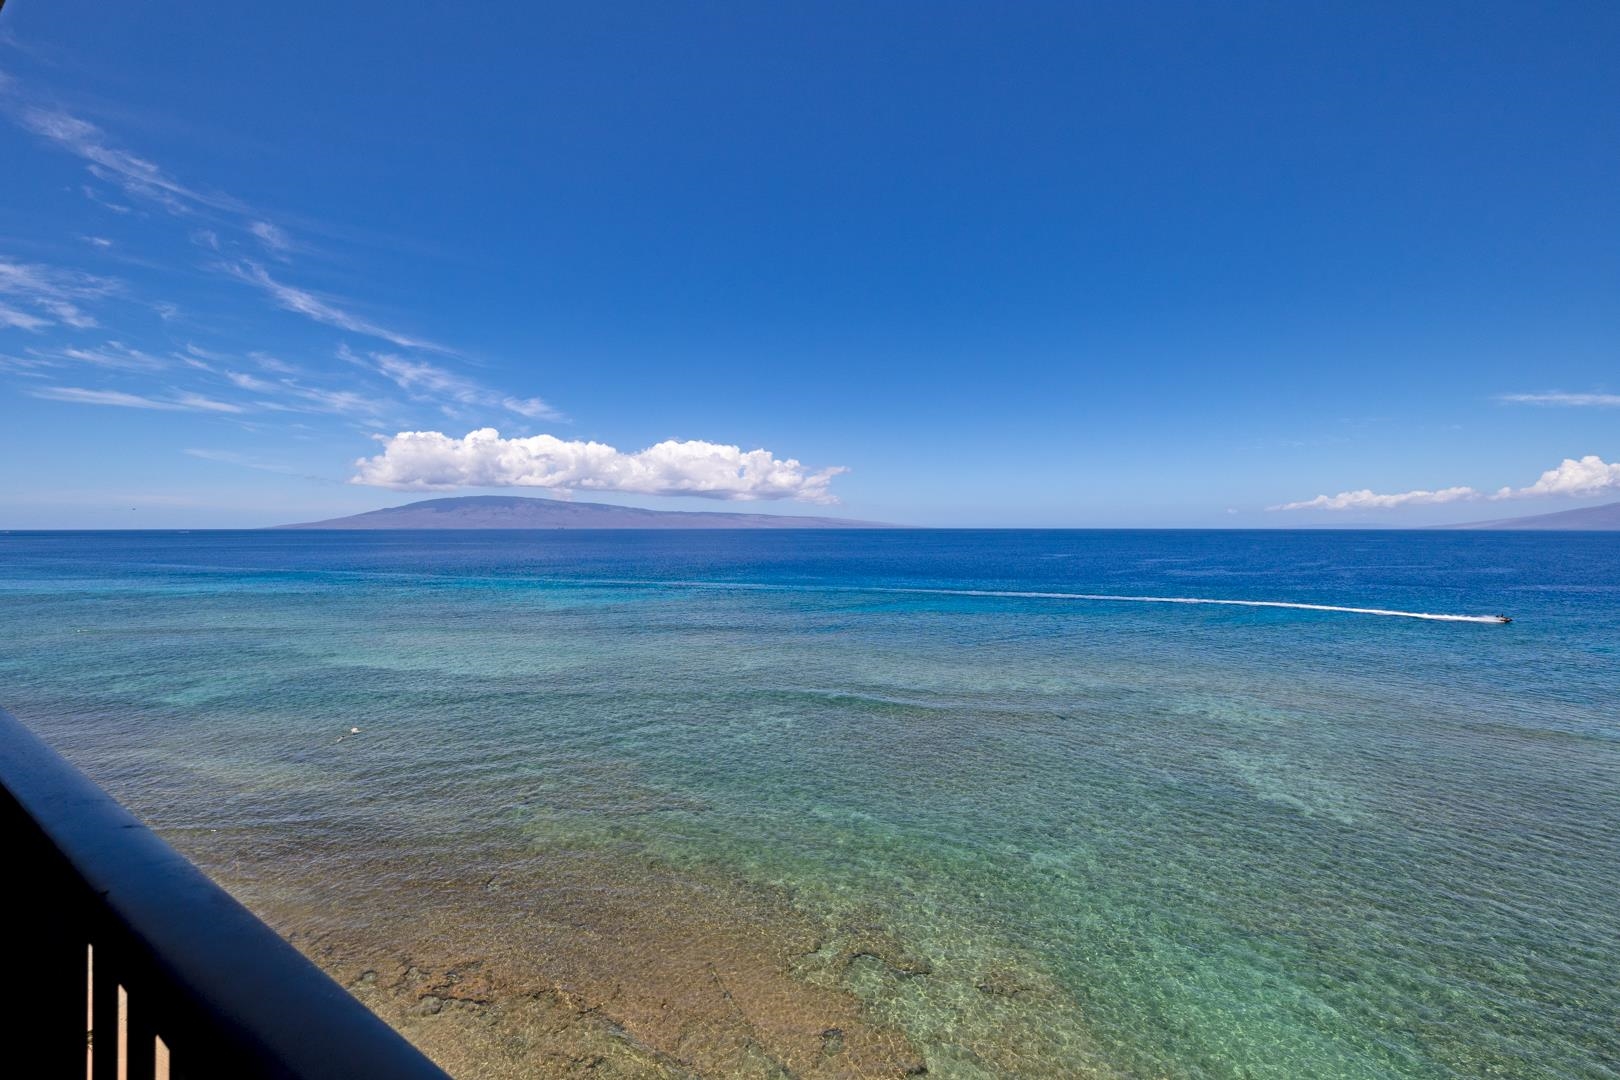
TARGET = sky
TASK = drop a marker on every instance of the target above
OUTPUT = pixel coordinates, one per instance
(1049, 265)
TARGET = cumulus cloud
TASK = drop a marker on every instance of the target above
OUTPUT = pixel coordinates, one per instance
(1558, 397)
(1572, 477)
(1591, 475)
(430, 460)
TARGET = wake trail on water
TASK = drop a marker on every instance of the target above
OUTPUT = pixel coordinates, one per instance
(1110, 598)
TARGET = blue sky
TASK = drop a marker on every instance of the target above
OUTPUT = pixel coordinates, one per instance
(946, 264)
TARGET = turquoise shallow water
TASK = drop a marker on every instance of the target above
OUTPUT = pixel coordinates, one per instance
(1152, 840)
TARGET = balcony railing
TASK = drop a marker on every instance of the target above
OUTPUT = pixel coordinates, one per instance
(119, 948)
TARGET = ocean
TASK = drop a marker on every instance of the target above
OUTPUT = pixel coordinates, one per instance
(832, 803)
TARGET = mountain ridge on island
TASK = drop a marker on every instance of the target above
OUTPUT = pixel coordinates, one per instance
(523, 512)
(1605, 518)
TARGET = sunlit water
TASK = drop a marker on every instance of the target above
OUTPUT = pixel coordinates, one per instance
(1172, 839)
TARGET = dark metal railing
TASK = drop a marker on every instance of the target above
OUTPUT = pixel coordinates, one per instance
(101, 921)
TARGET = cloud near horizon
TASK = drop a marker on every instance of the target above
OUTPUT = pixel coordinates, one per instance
(433, 461)
(1590, 475)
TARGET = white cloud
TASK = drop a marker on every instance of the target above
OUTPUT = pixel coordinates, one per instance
(1366, 499)
(185, 402)
(427, 382)
(96, 197)
(244, 381)
(309, 399)
(434, 461)
(113, 354)
(322, 311)
(136, 175)
(21, 320)
(1589, 475)
(70, 314)
(344, 402)
(271, 236)
(199, 403)
(1558, 397)
(55, 294)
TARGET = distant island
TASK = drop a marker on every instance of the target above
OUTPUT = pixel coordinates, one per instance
(1588, 518)
(517, 512)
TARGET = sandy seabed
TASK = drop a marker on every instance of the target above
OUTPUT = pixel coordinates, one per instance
(604, 964)
(586, 964)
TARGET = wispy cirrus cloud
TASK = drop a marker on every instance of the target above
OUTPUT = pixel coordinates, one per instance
(431, 460)
(21, 320)
(1572, 477)
(34, 299)
(181, 402)
(322, 309)
(137, 176)
(242, 380)
(114, 355)
(1559, 397)
(287, 389)
(95, 196)
(339, 402)
(428, 382)
(273, 237)
(54, 294)
(142, 179)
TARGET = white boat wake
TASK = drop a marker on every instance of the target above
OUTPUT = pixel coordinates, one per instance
(1110, 598)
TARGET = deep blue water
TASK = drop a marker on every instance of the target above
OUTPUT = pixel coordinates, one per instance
(1212, 841)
